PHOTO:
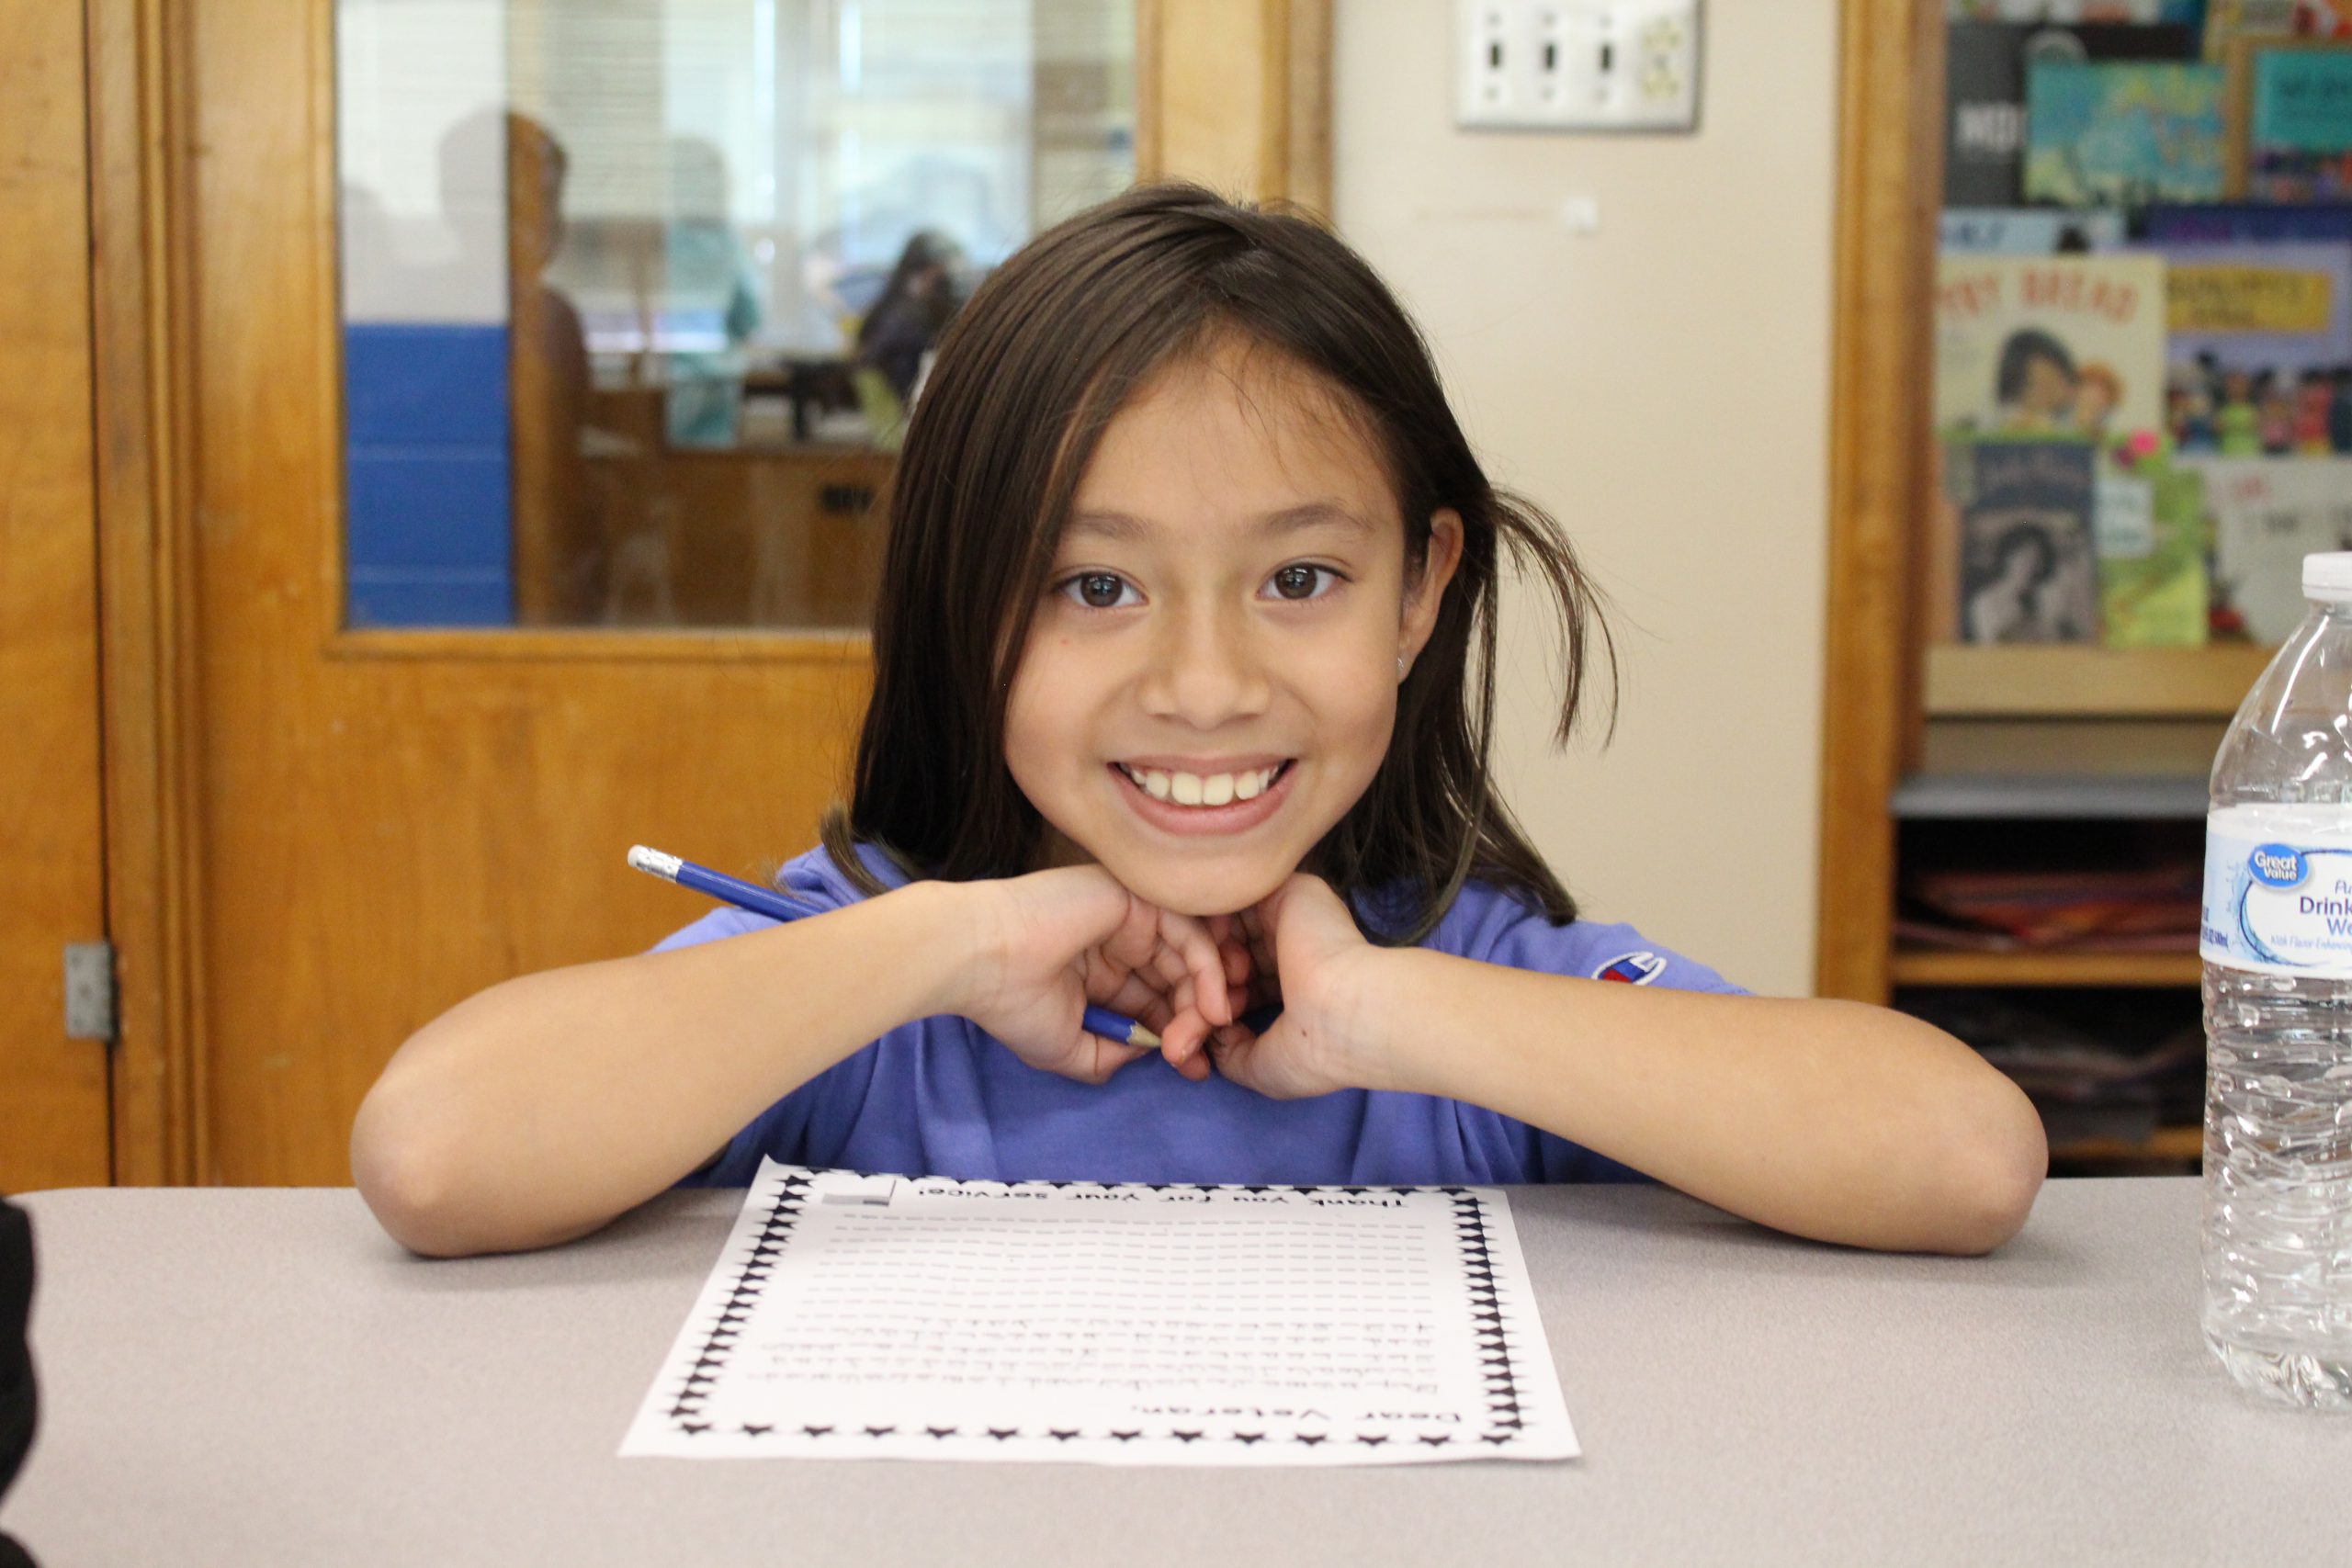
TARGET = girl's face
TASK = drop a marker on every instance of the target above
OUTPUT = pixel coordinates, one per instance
(2048, 390)
(1211, 681)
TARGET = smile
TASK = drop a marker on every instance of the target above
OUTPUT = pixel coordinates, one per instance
(1183, 802)
(1203, 789)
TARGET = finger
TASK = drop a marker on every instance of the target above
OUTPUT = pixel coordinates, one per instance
(1238, 962)
(1139, 998)
(1234, 1061)
(1181, 1046)
(1130, 944)
(1169, 970)
(1191, 938)
(1100, 974)
(1105, 1057)
(1182, 998)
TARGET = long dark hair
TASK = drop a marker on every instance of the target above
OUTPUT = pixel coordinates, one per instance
(1028, 376)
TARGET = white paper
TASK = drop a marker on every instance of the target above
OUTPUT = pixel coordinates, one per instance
(880, 1316)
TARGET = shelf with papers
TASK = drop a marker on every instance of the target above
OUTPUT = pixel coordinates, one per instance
(2100, 796)
(2052, 680)
(1923, 967)
(2163, 1143)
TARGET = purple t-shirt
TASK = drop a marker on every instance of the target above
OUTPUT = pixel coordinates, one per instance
(940, 1097)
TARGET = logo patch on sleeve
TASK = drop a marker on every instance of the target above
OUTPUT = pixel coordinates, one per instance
(1632, 969)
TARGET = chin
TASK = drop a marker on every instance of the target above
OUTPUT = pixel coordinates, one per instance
(1201, 889)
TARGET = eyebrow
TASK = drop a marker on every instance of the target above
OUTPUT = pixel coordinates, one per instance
(1127, 529)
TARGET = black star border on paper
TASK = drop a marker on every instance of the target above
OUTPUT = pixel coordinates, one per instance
(1503, 1421)
(686, 1411)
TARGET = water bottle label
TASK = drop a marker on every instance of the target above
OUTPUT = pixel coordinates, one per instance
(2276, 908)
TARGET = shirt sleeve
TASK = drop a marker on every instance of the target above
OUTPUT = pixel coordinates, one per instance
(1500, 930)
(781, 1132)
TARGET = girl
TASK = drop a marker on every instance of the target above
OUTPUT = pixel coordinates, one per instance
(1183, 677)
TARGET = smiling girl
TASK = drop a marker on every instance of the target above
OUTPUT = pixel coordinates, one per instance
(1184, 678)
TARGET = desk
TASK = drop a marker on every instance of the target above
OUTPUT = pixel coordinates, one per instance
(260, 1377)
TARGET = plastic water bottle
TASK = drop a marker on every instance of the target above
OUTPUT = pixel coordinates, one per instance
(2277, 943)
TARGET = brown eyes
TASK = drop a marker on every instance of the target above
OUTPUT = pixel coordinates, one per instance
(1109, 590)
(1297, 582)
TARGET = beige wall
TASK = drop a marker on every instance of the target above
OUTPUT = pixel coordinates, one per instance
(1662, 386)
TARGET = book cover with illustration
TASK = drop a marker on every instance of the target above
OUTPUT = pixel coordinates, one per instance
(2148, 529)
(2227, 21)
(2030, 231)
(2295, 123)
(1984, 83)
(2266, 514)
(2027, 569)
(2050, 346)
(2124, 132)
(2260, 344)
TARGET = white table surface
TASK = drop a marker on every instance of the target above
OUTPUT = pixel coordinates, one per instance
(258, 1377)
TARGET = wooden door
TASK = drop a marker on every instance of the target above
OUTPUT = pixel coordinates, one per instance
(377, 821)
(53, 1090)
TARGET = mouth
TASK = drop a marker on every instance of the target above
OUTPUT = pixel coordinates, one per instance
(1181, 802)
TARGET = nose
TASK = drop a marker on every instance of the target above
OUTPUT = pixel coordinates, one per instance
(1206, 670)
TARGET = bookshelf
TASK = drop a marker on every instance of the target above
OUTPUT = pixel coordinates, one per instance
(1922, 737)
(2077, 967)
(1964, 681)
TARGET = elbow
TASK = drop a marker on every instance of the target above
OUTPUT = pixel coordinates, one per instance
(2000, 1168)
(410, 1171)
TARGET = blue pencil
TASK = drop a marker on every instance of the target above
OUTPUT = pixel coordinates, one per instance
(776, 906)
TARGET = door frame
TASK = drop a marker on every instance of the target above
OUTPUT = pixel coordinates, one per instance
(148, 179)
(1890, 177)
(148, 696)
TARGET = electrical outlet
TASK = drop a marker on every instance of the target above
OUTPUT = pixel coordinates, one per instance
(1578, 65)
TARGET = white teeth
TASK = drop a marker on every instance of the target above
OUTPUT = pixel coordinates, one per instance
(1192, 789)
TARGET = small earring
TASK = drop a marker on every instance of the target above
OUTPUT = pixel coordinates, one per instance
(1401, 666)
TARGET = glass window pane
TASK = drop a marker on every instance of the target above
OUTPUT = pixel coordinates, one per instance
(636, 293)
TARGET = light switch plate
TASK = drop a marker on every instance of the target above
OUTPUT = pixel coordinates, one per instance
(1578, 65)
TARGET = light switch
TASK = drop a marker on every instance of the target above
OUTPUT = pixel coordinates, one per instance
(1578, 65)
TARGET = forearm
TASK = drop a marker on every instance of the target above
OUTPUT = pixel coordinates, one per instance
(1837, 1120)
(545, 1106)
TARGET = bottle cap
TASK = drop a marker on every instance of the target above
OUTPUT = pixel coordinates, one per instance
(2328, 577)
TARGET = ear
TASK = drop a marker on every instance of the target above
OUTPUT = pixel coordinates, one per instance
(1426, 592)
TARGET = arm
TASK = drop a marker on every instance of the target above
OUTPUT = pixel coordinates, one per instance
(540, 1108)
(543, 1107)
(1832, 1120)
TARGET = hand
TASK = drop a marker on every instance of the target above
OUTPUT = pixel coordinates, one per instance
(1048, 944)
(1299, 947)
